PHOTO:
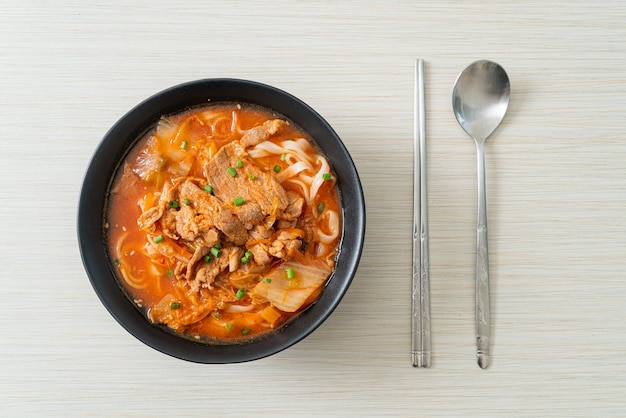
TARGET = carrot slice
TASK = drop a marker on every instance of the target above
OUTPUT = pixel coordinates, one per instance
(271, 315)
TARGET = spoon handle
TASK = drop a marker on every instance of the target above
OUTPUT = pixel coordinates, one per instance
(482, 266)
(420, 319)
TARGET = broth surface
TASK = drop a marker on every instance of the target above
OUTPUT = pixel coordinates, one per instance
(224, 222)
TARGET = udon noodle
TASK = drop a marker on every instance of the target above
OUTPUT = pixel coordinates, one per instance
(224, 222)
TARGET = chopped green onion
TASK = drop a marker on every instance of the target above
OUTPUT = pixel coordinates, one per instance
(238, 201)
(228, 326)
(267, 280)
(186, 202)
(173, 204)
(239, 164)
(277, 168)
(175, 305)
(158, 239)
(327, 176)
(246, 257)
(208, 189)
(207, 258)
(183, 145)
(170, 272)
(218, 245)
(240, 293)
(320, 207)
(251, 176)
(231, 171)
(117, 262)
(245, 331)
(283, 157)
(291, 273)
(217, 253)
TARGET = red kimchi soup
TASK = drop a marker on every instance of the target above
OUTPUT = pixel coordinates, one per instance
(224, 222)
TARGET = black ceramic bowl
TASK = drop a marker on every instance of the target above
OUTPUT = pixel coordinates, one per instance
(120, 139)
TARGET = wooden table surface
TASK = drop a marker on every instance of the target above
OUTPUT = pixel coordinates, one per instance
(556, 184)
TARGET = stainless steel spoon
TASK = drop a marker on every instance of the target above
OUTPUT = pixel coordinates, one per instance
(480, 100)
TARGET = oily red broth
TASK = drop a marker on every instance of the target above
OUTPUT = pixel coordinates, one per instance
(224, 222)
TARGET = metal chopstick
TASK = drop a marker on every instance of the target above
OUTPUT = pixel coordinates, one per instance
(420, 320)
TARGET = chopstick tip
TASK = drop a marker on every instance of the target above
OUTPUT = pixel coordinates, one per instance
(421, 359)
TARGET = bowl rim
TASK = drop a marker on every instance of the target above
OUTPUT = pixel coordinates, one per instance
(122, 136)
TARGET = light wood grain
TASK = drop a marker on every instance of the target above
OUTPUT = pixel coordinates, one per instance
(556, 183)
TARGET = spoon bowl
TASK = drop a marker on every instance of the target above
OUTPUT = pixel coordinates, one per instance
(480, 99)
